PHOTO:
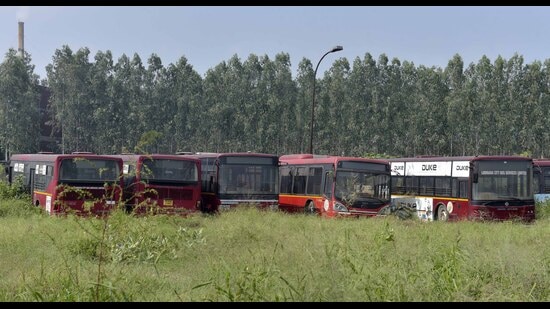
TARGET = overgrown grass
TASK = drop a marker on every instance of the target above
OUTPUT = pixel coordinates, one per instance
(251, 255)
(542, 210)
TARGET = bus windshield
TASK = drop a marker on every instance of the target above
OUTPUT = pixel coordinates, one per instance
(498, 181)
(355, 187)
(248, 179)
(167, 170)
(83, 169)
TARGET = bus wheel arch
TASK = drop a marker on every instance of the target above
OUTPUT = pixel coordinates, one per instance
(310, 208)
(442, 213)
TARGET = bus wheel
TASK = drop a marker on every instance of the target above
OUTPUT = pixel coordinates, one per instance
(310, 208)
(442, 213)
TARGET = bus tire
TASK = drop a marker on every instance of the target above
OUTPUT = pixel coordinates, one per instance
(310, 208)
(385, 211)
(403, 213)
(442, 213)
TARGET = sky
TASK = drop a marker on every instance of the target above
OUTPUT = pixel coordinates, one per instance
(208, 35)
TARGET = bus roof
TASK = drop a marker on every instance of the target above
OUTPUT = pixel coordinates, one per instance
(51, 157)
(542, 162)
(299, 158)
(135, 157)
(227, 154)
(457, 158)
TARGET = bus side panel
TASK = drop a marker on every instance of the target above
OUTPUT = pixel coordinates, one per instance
(424, 206)
(457, 208)
(292, 203)
(167, 199)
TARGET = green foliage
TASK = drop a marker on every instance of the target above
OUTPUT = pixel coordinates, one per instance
(147, 140)
(19, 97)
(366, 107)
(252, 255)
(15, 190)
(542, 210)
(17, 207)
(526, 153)
(117, 242)
(375, 155)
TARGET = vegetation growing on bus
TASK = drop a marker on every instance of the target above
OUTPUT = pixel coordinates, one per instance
(161, 183)
(82, 183)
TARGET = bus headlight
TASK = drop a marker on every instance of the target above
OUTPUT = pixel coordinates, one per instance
(340, 207)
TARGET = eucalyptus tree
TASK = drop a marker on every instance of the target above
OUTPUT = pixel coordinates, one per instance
(232, 105)
(133, 99)
(221, 100)
(302, 116)
(108, 115)
(122, 97)
(69, 83)
(400, 143)
(157, 110)
(183, 86)
(335, 109)
(281, 106)
(268, 106)
(483, 106)
(393, 120)
(213, 87)
(498, 109)
(542, 113)
(380, 95)
(516, 100)
(241, 102)
(255, 97)
(19, 104)
(432, 110)
(535, 109)
(143, 102)
(361, 87)
(458, 107)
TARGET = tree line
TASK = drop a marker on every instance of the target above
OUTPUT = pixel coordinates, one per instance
(367, 107)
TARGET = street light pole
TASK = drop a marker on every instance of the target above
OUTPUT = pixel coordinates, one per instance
(334, 49)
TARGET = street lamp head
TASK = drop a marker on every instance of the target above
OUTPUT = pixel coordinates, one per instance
(336, 48)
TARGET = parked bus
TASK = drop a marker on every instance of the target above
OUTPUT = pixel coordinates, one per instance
(161, 183)
(469, 187)
(231, 179)
(334, 185)
(83, 183)
(541, 180)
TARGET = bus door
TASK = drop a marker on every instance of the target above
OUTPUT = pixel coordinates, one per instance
(328, 190)
(31, 180)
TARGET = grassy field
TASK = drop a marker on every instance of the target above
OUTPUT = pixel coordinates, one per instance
(251, 255)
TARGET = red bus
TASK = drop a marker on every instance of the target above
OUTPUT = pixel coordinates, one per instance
(161, 183)
(334, 185)
(468, 187)
(83, 183)
(231, 179)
